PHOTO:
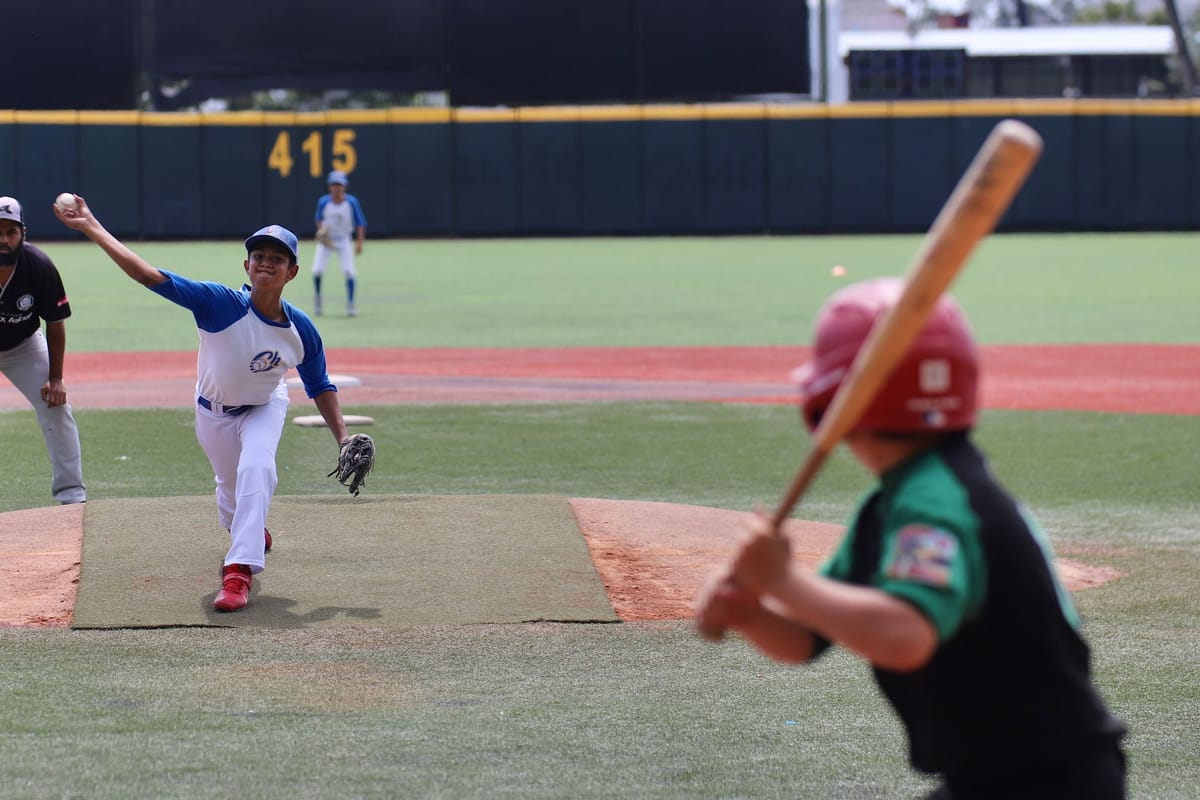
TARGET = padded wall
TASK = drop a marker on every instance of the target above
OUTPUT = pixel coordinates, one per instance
(661, 170)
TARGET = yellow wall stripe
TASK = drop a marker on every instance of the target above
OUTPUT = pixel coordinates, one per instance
(47, 117)
(279, 119)
(358, 116)
(233, 118)
(406, 116)
(548, 114)
(169, 119)
(734, 110)
(485, 115)
(860, 111)
(672, 112)
(110, 117)
(814, 111)
(609, 113)
(993, 107)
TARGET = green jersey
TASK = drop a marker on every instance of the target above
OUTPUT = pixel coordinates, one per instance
(1008, 691)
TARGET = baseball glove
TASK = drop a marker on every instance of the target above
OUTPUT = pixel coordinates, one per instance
(323, 235)
(355, 461)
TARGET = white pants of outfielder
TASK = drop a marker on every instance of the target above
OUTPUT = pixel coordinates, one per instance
(345, 253)
(28, 365)
(242, 450)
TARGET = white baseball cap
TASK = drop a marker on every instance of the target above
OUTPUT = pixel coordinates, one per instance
(337, 176)
(11, 209)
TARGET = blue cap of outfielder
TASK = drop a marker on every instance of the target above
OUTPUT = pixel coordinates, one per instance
(274, 234)
(338, 177)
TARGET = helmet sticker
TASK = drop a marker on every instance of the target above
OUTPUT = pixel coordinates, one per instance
(934, 375)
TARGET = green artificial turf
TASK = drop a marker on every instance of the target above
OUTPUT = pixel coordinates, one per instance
(373, 560)
(544, 710)
(641, 710)
(1018, 288)
(533, 711)
(728, 456)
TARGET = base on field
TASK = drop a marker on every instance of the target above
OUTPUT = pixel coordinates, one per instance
(317, 421)
(340, 381)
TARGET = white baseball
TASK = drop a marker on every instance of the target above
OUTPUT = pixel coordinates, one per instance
(65, 201)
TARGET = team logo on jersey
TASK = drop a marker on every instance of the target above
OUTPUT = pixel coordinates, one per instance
(265, 361)
(25, 302)
(923, 555)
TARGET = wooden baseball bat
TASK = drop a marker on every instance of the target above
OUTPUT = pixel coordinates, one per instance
(972, 211)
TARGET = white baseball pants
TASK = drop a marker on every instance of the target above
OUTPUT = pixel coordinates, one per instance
(242, 451)
(28, 365)
(345, 252)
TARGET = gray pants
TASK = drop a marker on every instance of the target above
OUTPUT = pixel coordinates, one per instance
(28, 365)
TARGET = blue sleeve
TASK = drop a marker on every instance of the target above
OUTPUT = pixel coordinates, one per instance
(359, 217)
(214, 306)
(312, 370)
(321, 208)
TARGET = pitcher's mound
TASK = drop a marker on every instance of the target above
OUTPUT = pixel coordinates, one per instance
(652, 557)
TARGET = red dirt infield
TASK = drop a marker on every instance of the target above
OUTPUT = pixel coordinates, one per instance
(652, 557)
(1125, 378)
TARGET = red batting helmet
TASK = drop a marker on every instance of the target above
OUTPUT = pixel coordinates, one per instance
(931, 389)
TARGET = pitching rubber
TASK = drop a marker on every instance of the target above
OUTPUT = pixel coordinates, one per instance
(317, 421)
(340, 381)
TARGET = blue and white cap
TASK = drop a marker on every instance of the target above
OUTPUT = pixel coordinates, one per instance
(339, 177)
(11, 209)
(274, 234)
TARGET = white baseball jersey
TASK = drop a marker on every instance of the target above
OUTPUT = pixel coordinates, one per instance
(243, 356)
(340, 219)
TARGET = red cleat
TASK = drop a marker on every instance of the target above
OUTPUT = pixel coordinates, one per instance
(235, 588)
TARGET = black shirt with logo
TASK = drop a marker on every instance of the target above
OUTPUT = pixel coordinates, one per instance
(1008, 695)
(34, 292)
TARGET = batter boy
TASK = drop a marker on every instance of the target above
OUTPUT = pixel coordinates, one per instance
(943, 582)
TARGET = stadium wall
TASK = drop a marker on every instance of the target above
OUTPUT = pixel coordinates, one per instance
(601, 170)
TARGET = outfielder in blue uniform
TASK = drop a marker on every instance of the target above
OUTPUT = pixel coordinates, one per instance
(249, 339)
(31, 290)
(943, 582)
(341, 229)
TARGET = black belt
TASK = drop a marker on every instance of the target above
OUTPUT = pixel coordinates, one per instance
(217, 408)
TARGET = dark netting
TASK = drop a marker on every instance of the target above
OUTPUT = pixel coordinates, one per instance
(714, 49)
(531, 51)
(86, 56)
(547, 52)
(229, 47)
(482, 52)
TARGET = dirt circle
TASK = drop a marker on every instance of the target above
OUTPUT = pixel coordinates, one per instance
(39, 553)
(652, 557)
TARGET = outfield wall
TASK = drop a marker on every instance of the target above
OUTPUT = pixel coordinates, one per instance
(685, 169)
